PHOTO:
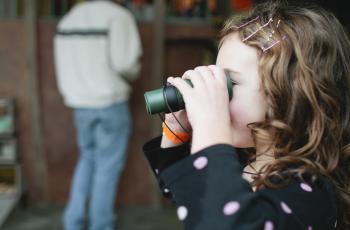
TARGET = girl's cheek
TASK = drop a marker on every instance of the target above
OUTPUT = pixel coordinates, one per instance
(239, 113)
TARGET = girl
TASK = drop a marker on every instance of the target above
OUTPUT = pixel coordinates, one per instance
(276, 156)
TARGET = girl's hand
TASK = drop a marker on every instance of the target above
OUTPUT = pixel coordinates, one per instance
(207, 105)
(173, 124)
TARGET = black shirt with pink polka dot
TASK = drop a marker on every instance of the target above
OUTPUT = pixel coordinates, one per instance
(210, 193)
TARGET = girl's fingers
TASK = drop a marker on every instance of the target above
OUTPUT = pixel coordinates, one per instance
(181, 85)
(207, 74)
(202, 78)
(169, 79)
(219, 73)
(196, 79)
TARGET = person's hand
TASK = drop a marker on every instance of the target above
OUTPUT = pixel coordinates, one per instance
(207, 105)
(178, 124)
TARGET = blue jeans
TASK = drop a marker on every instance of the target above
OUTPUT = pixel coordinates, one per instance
(103, 138)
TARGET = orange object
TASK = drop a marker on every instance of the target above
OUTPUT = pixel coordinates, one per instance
(175, 138)
(184, 5)
(212, 5)
(138, 3)
(241, 5)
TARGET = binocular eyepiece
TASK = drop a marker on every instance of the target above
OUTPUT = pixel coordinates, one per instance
(168, 98)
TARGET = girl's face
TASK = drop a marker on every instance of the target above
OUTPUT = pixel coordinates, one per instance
(248, 104)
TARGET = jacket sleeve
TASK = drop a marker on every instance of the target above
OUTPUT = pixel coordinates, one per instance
(210, 193)
(125, 46)
(159, 159)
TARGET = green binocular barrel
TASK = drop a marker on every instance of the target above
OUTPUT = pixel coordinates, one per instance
(168, 99)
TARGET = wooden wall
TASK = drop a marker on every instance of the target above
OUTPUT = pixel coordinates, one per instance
(58, 130)
(137, 187)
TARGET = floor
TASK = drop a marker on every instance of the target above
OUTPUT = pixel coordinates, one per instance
(49, 218)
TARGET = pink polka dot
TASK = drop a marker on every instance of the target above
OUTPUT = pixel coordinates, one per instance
(286, 208)
(268, 225)
(182, 213)
(306, 187)
(200, 163)
(309, 228)
(231, 208)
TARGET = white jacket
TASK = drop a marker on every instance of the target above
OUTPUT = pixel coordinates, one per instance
(96, 52)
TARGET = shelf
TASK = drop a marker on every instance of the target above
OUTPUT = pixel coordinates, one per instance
(198, 31)
(6, 207)
(9, 176)
(7, 127)
(8, 151)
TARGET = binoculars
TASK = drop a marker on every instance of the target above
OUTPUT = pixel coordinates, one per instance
(168, 98)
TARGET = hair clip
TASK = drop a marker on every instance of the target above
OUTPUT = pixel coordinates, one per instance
(248, 22)
(261, 27)
(264, 49)
(278, 23)
(270, 35)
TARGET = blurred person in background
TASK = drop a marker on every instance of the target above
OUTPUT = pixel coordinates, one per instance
(97, 52)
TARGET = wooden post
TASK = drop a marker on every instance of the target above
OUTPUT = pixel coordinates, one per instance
(158, 51)
(224, 7)
(37, 150)
(157, 73)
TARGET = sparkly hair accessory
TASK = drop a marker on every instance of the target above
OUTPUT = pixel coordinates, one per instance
(266, 48)
(248, 22)
(269, 44)
(260, 28)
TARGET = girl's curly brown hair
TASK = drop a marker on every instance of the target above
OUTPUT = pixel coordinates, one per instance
(304, 57)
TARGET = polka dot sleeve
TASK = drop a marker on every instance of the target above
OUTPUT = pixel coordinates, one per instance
(210, 193)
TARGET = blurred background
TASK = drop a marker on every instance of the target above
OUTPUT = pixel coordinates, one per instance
(37, 137)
